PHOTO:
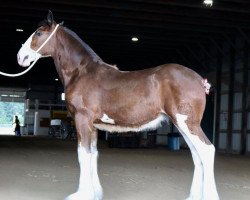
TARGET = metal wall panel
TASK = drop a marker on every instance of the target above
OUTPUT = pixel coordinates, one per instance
(42, 96)
(12, 96)
(223, 121)
(239, 79)
(236, 142)
(237, 101)
(248, 121)
(224, 102)
(249, 74)
(162, 140)
(225, 61)
(239, 42)
(224, 86)
(248, 142)
(239, 61)
(165, 129)
(223, 141)
(237, 121)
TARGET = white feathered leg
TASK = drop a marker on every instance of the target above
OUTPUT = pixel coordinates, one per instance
(85, 190)
(94, 167)
(196, 190)
(203, 186)
(95, 178)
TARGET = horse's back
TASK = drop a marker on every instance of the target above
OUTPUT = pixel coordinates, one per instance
(169, 80)
(177, 72)
(176, 80)
(170, 71)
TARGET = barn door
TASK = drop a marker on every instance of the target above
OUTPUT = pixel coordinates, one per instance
(11, 104)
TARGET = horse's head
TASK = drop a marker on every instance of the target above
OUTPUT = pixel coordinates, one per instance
(39, 44)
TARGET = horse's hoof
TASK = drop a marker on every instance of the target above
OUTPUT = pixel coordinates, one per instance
(193, 198)
(203, 198)
(80, 196)
(73, 196)
(99, 194)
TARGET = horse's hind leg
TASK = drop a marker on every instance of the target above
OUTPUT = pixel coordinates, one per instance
(207, 153)
(203, 186)
(196, 191)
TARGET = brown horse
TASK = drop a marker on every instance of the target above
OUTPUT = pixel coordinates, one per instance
(99, 96)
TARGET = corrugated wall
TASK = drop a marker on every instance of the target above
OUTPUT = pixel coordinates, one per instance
(233, 100)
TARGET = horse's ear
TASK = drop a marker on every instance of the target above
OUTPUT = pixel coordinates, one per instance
(61, 24)
(50, 18)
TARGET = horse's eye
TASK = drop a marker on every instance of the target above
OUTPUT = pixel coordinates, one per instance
(38, 33)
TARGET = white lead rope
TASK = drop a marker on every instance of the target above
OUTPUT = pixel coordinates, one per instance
(37, 57)
(21, 73)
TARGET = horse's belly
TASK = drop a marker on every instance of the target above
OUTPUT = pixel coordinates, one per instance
(110, 126)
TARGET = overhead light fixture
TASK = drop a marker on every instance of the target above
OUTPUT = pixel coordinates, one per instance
(56, 79)
(19, 30)
(135, 39)
(208, 2)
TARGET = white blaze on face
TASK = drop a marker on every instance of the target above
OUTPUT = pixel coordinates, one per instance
(26, 55)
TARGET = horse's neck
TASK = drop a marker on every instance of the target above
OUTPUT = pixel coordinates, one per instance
(72, 56)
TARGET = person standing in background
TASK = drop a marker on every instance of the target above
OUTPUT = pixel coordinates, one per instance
(17, 126)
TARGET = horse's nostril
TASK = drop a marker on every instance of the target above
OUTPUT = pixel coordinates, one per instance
(26, 57)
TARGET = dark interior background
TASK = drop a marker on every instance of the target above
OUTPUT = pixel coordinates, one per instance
(180, 31)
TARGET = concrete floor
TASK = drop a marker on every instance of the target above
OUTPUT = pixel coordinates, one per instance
(44, 169)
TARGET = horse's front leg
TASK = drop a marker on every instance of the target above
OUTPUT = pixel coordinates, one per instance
(95, 178)
(86, 189)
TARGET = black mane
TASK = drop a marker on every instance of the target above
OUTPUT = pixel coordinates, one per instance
(81, 42)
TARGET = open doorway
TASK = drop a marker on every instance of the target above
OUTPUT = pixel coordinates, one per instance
(11, 105)
(7, 112)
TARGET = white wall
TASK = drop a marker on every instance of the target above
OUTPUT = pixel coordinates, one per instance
(39, 115)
